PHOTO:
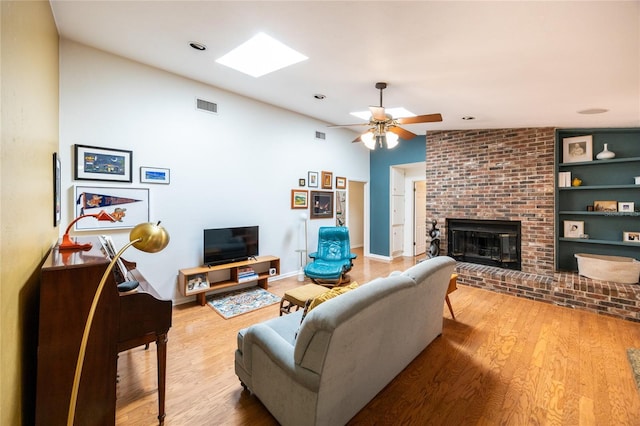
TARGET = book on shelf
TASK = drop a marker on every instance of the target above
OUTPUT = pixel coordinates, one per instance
(247, 278)
(564, 179)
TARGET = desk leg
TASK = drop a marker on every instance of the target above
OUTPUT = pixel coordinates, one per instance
(446, 298)
(161, 343)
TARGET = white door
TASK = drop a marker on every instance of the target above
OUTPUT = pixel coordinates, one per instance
(420, 217)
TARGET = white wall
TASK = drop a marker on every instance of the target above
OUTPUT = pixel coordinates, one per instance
(235, 168)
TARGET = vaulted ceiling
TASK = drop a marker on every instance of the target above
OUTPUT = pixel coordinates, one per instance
(505, 63)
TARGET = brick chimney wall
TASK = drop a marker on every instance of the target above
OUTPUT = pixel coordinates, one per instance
(499, 174)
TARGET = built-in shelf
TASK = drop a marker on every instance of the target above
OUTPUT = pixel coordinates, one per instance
(587, 187)
(605, 242)
(602, 180)
(587, 213)
(598, 162)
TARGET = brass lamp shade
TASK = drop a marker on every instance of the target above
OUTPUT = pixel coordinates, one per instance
(152, 238)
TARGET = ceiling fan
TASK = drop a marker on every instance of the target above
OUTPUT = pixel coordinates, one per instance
(384, 129)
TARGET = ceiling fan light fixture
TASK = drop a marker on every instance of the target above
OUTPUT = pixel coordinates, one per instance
(369, 140)
(392, 140)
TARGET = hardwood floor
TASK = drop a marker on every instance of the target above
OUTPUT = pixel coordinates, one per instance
(505, 360)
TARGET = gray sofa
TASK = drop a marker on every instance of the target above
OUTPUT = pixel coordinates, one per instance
(347, 349)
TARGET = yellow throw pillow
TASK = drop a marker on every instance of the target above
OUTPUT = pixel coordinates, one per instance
(330, 294)
(335, 291)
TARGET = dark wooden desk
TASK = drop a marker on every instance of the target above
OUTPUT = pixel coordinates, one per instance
(121, 322)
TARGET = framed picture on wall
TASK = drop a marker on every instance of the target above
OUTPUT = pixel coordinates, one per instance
(341, 182)
(327, 180)
(95, 163)
(312, 179)
(299, 198)
(155, 175)
(56, 189)
(128, 206)
(321, 205)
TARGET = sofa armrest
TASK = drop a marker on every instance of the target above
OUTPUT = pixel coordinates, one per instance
(280, 352)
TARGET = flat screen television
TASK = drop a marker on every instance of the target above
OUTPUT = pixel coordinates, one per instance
(226, 245)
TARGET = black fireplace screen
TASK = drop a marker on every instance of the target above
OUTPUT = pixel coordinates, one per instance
(486, 242)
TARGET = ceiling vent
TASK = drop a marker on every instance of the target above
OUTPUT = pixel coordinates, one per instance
(207, 106)
(320, 135)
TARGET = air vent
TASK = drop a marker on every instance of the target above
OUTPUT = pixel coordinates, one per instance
(207, 106)
(320, 135)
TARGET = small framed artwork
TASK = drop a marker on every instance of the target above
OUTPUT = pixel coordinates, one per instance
(56, 189)
(577, 149)
(605, 206)
(327, 180)
(631, 237)
(573, 228)
(95, 163)
(321, 205)
(312, 179)
(155, 175)
(301, 182)
(299, 199)
(341, 182)
(197, 282)
(127, 206)
(626, 206)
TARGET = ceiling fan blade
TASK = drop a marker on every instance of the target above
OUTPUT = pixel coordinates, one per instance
(348, 125)
(378, 113)
(404, 134)
(357, 139)
(429, 118)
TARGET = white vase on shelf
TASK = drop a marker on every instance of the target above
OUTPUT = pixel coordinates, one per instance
(605, 154)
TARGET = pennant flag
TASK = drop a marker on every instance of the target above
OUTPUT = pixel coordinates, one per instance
(90, 200)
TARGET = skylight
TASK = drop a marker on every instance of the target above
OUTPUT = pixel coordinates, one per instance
(399, 112)
(261, 55)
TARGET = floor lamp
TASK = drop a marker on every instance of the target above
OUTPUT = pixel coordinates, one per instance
(303, 251)
(147, 237)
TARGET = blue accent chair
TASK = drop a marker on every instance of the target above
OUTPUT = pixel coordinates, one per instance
(333, 259)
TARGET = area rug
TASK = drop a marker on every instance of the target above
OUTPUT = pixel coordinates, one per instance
(238, 302)
(634, 360)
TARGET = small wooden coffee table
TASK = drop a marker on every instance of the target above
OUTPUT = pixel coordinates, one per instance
(298, 297)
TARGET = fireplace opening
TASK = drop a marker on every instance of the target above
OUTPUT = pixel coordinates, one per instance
(485, 242)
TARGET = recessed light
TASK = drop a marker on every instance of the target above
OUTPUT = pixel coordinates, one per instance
(319, 96)
(197, 46)
(593, 111)
(468, 117)
(261, 55)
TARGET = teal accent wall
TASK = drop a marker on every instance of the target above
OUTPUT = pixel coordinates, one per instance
(380, 162)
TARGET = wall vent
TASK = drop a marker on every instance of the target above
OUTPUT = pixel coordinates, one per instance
(320, 135)
(207, 106)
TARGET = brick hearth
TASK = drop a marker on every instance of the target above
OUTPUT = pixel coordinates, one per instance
(508, 174)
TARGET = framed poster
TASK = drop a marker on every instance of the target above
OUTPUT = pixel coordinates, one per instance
(321, 205)
(128, 206)
(95, 163)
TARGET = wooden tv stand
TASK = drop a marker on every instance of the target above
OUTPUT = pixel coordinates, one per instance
(202, 279)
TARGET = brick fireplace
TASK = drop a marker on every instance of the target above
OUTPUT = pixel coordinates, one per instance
(509, 175)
